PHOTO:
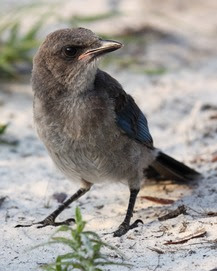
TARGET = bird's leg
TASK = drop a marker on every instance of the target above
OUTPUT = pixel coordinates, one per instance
(50, 220)
(125, 225)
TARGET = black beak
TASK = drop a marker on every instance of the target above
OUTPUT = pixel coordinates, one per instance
(106, 46)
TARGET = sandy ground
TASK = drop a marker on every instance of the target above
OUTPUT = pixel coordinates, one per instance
(181, 106)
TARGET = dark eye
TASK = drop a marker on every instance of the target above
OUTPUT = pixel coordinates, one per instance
(70, 51)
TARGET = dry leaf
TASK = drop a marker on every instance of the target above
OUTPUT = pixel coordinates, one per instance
(213, 117)
(158, 200)
(211, 213)
(214, 158)
(199, 233)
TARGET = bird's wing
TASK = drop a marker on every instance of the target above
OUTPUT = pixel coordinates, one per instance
(129, 117)
(133, 122)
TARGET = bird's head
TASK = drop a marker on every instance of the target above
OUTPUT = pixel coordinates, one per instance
(70, 54)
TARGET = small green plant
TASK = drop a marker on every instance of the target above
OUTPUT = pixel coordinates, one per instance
(18, 42)
(86, 249)
(17, 48)
(76, 20)
(3, 128)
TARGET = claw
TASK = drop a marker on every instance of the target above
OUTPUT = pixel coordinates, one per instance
(124, 228)
(136, 224)
(48, 221)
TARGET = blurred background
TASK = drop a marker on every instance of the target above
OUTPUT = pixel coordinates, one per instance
(159, 36)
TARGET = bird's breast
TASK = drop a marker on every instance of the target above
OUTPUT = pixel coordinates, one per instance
(80, 138)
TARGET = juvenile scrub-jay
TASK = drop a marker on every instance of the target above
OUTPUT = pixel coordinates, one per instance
(92, 129)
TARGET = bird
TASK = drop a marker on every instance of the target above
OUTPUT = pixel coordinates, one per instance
(92, 129)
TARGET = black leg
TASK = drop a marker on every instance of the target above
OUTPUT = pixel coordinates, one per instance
(125, 225)
(50, 220)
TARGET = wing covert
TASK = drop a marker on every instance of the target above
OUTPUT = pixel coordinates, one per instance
(133, 122)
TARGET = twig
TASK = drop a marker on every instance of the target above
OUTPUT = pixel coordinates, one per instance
(157, 250)
(199, 233)
(180, 210)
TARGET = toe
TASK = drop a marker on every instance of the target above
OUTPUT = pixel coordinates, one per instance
(123, 228)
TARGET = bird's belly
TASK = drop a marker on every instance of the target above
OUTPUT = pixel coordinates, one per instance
(87, 163)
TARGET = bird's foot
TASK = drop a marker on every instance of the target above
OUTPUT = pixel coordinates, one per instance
(48, 221)
(125, 227)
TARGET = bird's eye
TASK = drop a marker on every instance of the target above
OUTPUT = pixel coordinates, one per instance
(70, 51)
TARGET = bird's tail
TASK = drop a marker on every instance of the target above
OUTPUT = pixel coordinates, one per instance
(166, 167)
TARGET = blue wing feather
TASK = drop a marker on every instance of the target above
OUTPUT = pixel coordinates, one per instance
(133, 122)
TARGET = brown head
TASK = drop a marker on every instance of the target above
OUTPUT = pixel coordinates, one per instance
(68, 55)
